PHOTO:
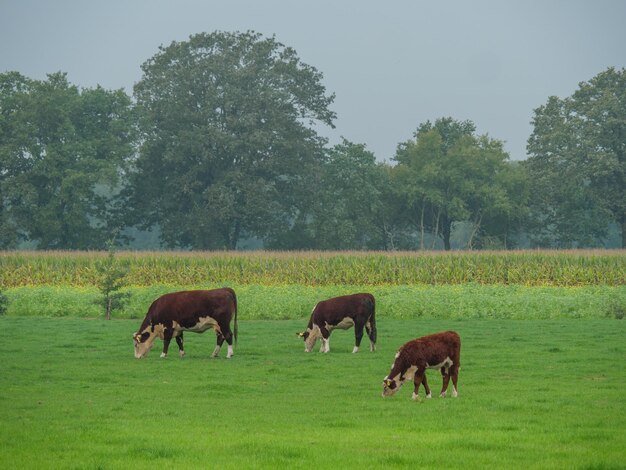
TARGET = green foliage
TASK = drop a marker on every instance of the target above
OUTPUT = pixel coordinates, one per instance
(111, 279)
(228, 145)
(577, 164)
(83, 401)
(448, 175)
(347, 203)
(58, 146)
(221, 151)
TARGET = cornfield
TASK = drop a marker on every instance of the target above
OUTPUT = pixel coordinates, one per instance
(527, 268)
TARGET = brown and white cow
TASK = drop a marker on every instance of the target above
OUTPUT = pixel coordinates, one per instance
(197, 311)
(439, 351)
(341, 313)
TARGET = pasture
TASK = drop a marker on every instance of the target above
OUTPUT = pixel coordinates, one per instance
(532, 394)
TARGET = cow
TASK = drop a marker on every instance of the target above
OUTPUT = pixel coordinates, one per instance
(195, 310)
(341, 313)
(438, 351)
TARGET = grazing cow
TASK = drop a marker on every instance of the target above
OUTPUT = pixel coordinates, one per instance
(439, 351)
(341, 313)
(197, 311)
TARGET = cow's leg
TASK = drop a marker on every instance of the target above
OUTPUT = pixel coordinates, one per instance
(420, 375)
(446, 380)
(220, 341)
(229, 340)
(179, 341)
(167, 337)
(358, 336)
(455, 378)
(426, 387)
(371, 333)
(325, 347)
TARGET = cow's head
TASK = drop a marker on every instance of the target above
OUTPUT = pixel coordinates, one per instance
(391, 386)
(143, 342)
(310, 336)
(397, 376)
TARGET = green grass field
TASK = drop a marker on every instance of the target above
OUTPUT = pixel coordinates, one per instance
(469, 301)
(532, 394)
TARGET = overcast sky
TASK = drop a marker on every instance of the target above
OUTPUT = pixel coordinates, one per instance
(392, 64)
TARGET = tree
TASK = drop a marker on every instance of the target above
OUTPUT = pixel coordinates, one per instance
(577, 163)
(111, 274)
(60, 149)
(348, 202)
(448, 175)
(228, 145)
(13, 88)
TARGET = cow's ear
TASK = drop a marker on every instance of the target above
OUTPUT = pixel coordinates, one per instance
(300, 334)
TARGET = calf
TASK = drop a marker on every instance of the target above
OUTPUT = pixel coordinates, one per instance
(341, 313)
(197, 311)
(439, 351)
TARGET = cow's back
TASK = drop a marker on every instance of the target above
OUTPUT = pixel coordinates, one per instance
(186, 306)
(344, 305)
(434, 348)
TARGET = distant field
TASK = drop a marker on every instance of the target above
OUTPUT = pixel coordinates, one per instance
(286, 285)
(532, 394)
(401, 302)
(526, 268)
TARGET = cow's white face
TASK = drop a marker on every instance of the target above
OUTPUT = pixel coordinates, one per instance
(310, 337)
(143, 343)
(391, 386)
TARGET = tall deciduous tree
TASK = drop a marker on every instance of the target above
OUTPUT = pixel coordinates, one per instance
(61, 150)
(229, 146)
(448, 175)
(577, 163)
(13, 138)
(348, 205)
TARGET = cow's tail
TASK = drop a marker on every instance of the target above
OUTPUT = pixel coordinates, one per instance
(373, 319)
(235, 327)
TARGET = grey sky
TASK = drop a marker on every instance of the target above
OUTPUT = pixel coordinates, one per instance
(392, 65)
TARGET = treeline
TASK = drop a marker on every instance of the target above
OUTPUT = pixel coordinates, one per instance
(218, 149)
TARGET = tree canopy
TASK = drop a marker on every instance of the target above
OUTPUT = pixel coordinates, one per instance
(62, 151)
(228, 138)
(448, 175)
(220, 150)
(577, 163)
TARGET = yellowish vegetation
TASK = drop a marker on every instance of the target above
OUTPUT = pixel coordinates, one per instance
(314, 268)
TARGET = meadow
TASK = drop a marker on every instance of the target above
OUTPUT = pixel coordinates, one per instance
(541, 382)
(532, 394)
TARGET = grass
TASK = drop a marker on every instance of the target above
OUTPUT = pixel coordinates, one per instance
(532, 394)
(401, 302)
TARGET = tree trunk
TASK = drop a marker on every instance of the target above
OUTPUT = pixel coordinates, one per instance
(624, 230)
(436, 230)
(422, 226)
(388, 236)
(446, 228)
(233, 237)
(108, 316)
(475, 229)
